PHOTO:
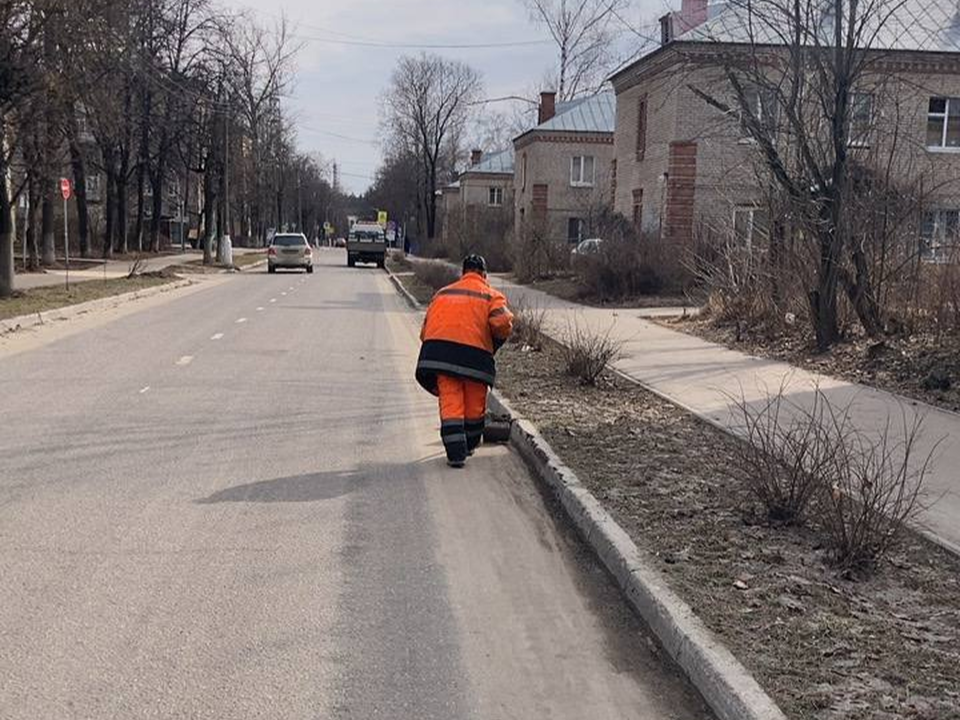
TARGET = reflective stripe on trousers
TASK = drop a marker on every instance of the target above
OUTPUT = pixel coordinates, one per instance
(463, 409)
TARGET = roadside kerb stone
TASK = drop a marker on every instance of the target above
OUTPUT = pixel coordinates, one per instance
(725, 684)
(67, 312)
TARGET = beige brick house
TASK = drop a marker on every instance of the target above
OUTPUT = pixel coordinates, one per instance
(682, 165)
(481, 200)
(563, 167)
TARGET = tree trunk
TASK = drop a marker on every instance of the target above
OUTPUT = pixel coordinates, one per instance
(823, 300)
(209, 200)
(32, 232)
(8, 222)
(860, 292)
(80, 191)
(156, 210)
(110, 203)
(123, 204)
(48, 231)
(141, 205)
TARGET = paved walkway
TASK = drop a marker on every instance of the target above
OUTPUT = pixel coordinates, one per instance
(114, 269)
(703, 376)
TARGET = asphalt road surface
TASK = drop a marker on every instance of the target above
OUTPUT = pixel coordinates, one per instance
(234, 504)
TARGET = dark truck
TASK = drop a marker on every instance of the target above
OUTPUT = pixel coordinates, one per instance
(367, 243)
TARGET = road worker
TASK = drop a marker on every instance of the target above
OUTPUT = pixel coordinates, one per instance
(466, 324)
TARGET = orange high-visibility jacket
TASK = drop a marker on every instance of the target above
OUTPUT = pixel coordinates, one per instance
(465, 324)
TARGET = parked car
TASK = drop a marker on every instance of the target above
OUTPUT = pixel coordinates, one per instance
(289, 250)
(590, 246)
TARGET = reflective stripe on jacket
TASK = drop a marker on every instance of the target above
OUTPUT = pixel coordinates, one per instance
(465, 324)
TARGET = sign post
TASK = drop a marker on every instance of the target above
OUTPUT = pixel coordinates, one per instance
(66, 189)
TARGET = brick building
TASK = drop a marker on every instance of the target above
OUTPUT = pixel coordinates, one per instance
(481, 200)
(563, 174)
(682, 165)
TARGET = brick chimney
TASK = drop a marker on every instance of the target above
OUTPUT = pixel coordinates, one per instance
(475, 157)
(693, 12)
(548, 107)
(666, 29)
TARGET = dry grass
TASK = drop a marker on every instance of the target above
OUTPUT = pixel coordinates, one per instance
(35, 300)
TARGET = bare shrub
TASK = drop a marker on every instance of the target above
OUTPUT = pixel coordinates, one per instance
(872, 489)
(587, 353)
(136, 267)
(435, 274)
(620, 269)
(537, 255)
(528, 322)
(863, 489)
(784, 454)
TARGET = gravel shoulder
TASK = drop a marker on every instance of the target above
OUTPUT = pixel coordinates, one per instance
(823, 645)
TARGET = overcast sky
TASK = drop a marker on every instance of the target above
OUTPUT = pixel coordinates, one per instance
(338, 86)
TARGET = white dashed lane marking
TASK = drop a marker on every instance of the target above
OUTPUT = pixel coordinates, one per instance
(185, 360)
(259, 309)
(218, 336)
(241, 321)
(273, 299)
(145, 390)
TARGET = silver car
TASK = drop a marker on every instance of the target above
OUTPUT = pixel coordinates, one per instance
(289, 250)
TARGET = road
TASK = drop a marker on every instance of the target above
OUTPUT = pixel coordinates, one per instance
(234, 504)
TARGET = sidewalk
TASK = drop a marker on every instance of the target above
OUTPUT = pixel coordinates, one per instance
(702, 377)
(114, 269)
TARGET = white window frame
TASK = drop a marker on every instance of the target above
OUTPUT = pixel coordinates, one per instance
(861, 139)
(755, 96)
(494, 196)
(581, 230)
(944, 117)
(751, 235)
(936, 247)
(94, 183)
(578, 164)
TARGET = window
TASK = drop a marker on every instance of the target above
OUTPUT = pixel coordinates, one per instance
(749, 225)
(576, 230)
(523, 171)
(939, 234)
(762, 105)
(861, 119)
(581, 171)
(641, 127)
(495, 198)
(637, 208)
(93, 186)
(943, 123)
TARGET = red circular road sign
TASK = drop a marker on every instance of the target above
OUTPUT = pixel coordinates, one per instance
(66, 188)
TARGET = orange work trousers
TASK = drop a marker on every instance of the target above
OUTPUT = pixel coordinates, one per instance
(463, 411)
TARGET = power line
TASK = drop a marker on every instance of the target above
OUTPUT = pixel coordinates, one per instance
(366, 41)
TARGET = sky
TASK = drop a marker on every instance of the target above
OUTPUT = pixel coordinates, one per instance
(338, 86)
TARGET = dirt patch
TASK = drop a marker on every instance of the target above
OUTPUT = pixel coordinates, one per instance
(824, 646)
(403, 269)
(36, 300)
(922, 366)
(569, 288)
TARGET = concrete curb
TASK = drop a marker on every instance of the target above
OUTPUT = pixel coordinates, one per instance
(726, 685)
(404, 293)
(67, 312)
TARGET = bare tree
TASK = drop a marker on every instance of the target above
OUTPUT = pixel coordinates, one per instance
(801, 75)
(261, 61)
(428, 105)
(584, 32)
